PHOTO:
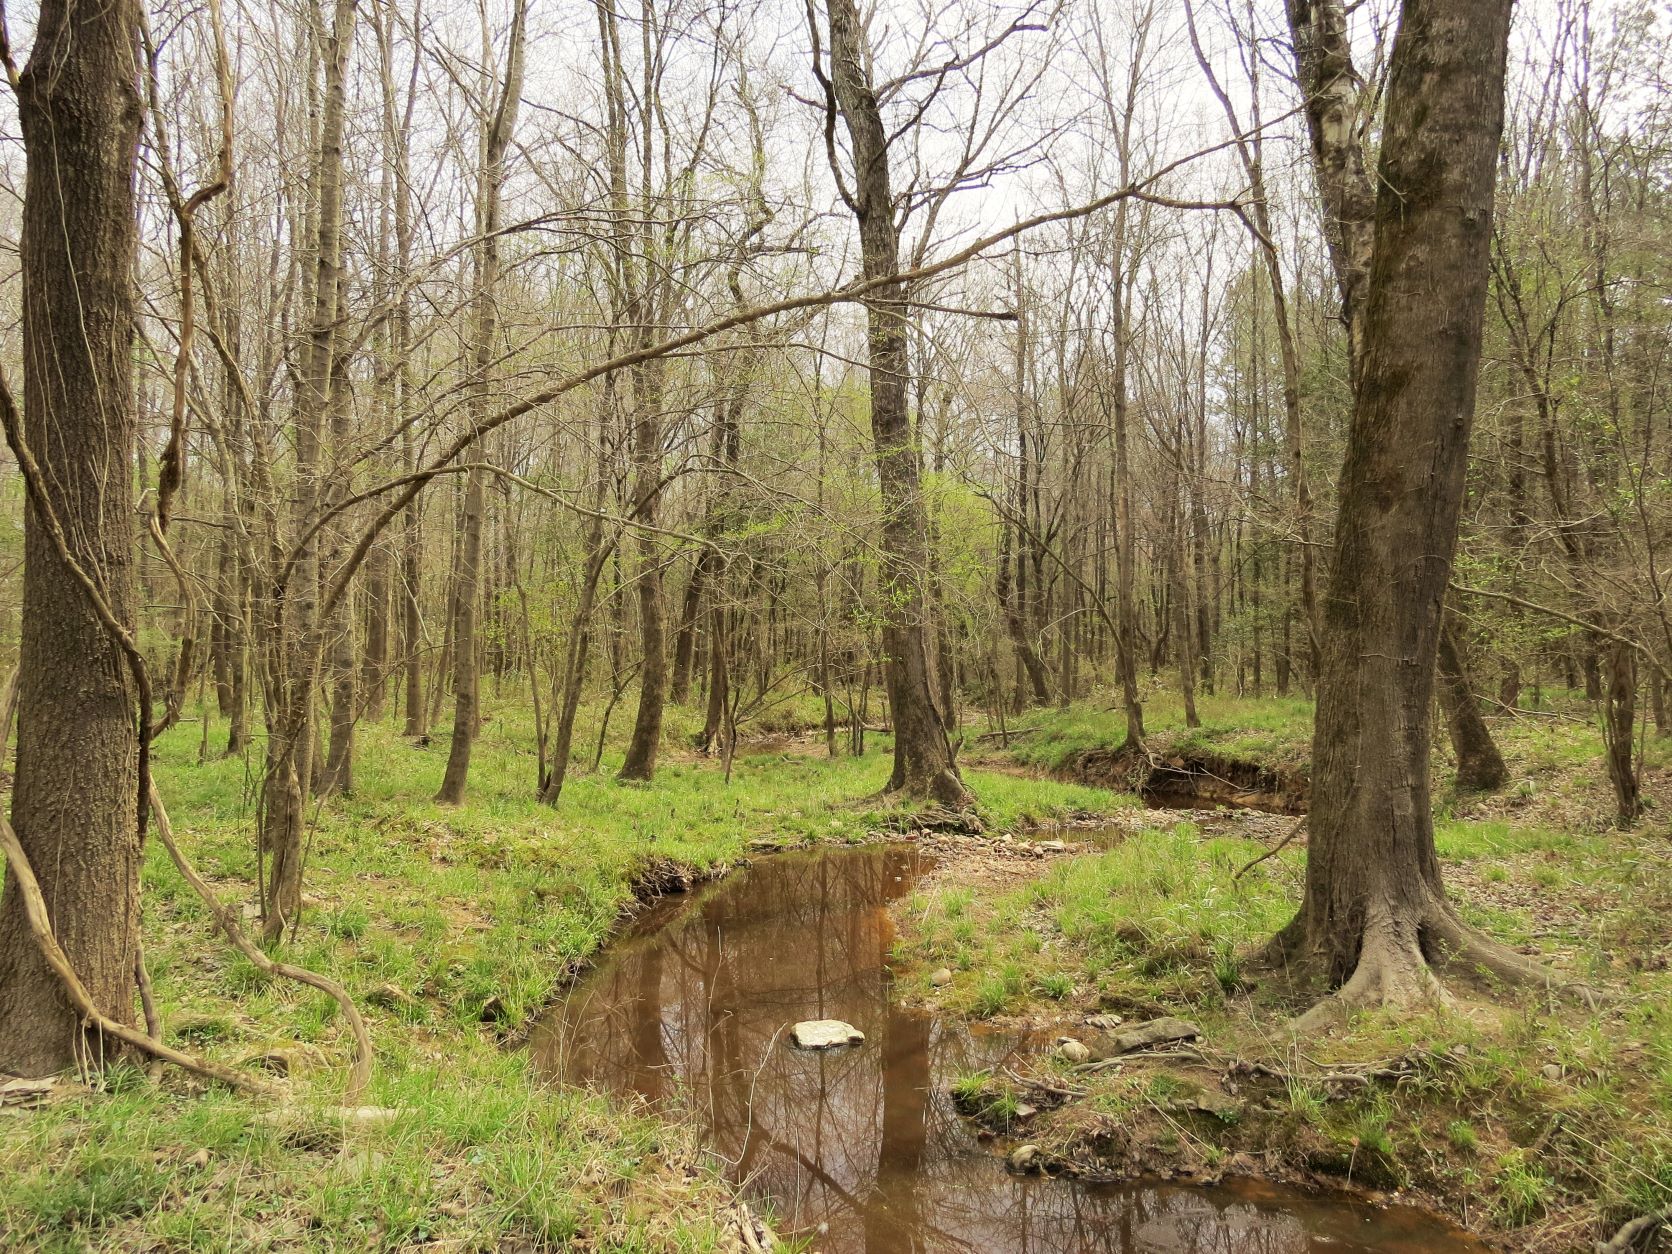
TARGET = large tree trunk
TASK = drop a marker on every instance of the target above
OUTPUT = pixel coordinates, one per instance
(923, 762)
(1480, 767)
(1375, 913)
(74, 798)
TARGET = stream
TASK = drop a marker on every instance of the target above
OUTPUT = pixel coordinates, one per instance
(861, 1148)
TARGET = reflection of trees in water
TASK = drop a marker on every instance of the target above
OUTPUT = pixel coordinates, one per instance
(865, 1139)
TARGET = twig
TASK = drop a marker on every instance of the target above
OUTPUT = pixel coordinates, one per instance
(1274, 850)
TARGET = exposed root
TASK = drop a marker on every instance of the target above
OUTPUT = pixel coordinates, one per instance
(1630, 1234)
(22, 876)
(1392, 972)
(1457, 946)
(1400, 965)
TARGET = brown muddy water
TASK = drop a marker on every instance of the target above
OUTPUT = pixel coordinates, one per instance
(861, 1149)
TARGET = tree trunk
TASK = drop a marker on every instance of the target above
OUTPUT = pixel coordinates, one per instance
(467, 662)
(467, 665)
(374, 663)
(1480, 767)
(1375, 914)
(338, 775)
(646, 741)
(292, 629)
(1619, 727)
(923, 762)
(74, 797)
(685, 642)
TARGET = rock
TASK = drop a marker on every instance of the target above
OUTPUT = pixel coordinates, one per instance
(1025, 1158)
(1208, 1102)
(359, 1164)
(1070, 1050)
(1155, 1032)
(24, 1092)
(825, 1034)
(1552, 1072)
(1025, 1112)
(940, 978)
(369, 1116)
(351, 1116)
(1104, 1022)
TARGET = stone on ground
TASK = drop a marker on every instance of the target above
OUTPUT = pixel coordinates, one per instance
(1156, 1032)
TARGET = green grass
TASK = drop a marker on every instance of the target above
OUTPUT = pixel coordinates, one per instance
(1275, 732)
(1526, 1111)
(1160, 912)
(426, 913)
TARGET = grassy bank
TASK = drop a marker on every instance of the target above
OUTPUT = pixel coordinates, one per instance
(1275, 731)
(451, 927)
(1546, 1122)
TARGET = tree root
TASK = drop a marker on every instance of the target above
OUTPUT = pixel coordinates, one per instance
(28, 888)
(1400, 964)
(1632, 1232)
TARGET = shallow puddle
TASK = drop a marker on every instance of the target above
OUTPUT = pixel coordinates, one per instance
(861, 1147)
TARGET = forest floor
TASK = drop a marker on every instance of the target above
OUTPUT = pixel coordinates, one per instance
(452, 927)
(1540, 1123)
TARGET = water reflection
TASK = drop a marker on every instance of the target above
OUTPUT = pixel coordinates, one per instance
(693, 1007)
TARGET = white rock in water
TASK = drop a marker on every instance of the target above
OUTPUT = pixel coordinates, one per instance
(825, 1034)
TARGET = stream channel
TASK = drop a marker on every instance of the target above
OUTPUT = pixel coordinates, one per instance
(861, 1148)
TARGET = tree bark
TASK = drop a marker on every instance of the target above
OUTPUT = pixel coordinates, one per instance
(74, 800)
(293, 643)
(1480, 767)
(1619, 724)
(1375, 914)
(467, 662)
(923, 762)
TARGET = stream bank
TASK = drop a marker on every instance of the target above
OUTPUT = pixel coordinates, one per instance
(865, 1148)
